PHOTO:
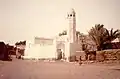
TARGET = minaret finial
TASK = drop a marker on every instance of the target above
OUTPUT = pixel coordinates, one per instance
(72, 11)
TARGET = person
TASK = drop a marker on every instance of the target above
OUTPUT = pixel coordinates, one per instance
(63, 56)
(80, 61)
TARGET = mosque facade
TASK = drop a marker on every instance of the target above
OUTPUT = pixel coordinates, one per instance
(66, 45)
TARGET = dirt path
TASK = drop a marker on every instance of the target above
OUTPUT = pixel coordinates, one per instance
(25, 69)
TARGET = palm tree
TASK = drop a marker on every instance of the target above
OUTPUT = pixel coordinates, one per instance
(80, 36)
(98, 35)
(112, 35)
(63, 33)
(101, 35)
(60, 34)
(24, 42)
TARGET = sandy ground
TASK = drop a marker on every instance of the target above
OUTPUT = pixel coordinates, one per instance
(27, 69)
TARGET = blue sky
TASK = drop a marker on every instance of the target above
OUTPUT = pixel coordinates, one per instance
(23, 19)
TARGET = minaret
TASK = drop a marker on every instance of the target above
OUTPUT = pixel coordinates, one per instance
(70, 46)
(72, 26)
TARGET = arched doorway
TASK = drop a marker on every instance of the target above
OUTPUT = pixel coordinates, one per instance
(60, 51)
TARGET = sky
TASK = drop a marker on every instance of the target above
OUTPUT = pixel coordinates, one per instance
(24, 19)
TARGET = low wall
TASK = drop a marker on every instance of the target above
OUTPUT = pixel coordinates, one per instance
(40, 52)
(113, 54)
(89, 55)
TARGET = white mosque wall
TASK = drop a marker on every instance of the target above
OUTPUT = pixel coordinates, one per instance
(40, 51)
(67, 50)
(74, 48)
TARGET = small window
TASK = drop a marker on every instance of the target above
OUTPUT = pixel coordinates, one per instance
(70, 14)
(74, 15)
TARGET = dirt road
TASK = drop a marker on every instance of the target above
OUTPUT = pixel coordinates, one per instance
(26, 69)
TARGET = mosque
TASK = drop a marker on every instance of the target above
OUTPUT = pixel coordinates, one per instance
(66, 45)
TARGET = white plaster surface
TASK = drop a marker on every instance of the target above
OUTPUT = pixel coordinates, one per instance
(37, 51)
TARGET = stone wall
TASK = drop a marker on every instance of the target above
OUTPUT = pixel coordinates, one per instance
(113, 54)
(88, 55)
(99, 56)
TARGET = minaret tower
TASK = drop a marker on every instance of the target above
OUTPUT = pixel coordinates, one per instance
(72, 26)
(70, 47)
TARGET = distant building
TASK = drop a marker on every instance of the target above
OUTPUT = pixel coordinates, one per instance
(4, 54)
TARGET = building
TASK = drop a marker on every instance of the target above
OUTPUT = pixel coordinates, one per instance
(4, 51)
(65, 46)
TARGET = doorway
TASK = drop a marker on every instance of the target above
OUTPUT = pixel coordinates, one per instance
(59, 54)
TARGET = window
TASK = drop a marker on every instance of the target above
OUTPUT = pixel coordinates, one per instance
(70, 14)
(74, 15)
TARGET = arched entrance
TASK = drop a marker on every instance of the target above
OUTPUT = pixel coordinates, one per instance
(60, 51)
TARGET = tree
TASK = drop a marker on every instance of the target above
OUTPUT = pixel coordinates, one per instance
(101, 35)
(24, 42)
(98, 35)
(80, 36)
(16, 43)
(112, 35)
(63, 33)
(21, 43)
(60, 34)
